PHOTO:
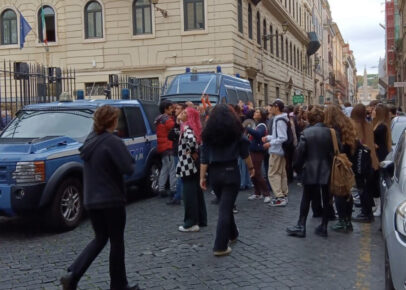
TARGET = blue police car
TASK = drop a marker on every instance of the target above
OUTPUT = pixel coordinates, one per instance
(40, 167)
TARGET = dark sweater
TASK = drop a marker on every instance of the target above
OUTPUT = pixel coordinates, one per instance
(224, 154)
(106, 160)
(256, 137)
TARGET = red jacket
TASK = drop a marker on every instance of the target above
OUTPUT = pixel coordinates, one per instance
(164, 124)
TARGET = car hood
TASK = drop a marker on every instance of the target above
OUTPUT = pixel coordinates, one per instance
(21, 148)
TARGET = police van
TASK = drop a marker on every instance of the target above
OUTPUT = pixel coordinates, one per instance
(221, 88)
(41, 172)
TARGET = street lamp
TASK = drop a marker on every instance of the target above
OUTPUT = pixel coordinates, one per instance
(285, 27)
(163, 11)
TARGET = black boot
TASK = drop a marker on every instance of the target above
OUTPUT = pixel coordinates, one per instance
(298, 230)
(69, 282)
(321, 230)
(363, 218)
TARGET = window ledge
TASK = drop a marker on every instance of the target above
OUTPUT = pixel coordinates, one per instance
(240, 34)
(9, 46)
(94, 40)
(41, 44)
(143, 36)
(194, 32)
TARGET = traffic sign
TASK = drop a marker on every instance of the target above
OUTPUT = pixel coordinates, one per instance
(399, 84)
(298, 99)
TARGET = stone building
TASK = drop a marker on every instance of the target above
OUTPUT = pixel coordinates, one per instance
(263, 41)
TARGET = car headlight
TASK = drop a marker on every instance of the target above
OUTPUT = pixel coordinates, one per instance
(400, 219)
(29, 172)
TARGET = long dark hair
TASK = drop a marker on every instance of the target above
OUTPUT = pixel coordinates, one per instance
(222, 128)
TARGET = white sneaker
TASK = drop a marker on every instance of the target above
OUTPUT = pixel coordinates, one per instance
(194, 228)
(267, 199)
(254, 197)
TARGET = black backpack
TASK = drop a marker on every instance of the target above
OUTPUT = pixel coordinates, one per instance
(362, 163)
(287, 146)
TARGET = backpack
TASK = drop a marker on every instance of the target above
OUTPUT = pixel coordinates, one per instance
(342, 177)
(362, 165)
(288, 145)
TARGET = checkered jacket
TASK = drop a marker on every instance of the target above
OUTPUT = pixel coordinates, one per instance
(187, 144)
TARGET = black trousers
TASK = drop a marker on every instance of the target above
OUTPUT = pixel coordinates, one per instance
(344, 206)
(225, 181)
(310, 190)
(108, 224)
(193, 200)
(367, 188)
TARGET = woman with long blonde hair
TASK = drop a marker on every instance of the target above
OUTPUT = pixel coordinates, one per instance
(335, 118)
(366, 137)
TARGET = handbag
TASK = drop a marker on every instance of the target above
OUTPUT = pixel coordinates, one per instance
(342, 177)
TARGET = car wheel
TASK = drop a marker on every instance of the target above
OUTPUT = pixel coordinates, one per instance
(67, 207)
(388, 276)
(151, 182)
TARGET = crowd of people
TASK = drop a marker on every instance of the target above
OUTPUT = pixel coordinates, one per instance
(229, 148)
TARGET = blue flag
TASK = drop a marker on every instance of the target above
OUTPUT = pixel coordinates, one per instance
(25, 28)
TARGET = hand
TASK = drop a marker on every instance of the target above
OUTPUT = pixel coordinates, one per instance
(251, 171)
(264, 140)
(203, 184)
(195, 156)
(267, 145)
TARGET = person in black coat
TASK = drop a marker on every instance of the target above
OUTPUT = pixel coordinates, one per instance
(106, 160)
(314, 157)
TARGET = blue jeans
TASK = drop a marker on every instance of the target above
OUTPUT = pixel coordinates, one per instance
(245, 177)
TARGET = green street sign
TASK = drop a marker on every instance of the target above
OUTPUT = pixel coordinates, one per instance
(298, 99)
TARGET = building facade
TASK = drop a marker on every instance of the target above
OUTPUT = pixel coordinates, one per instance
(266, 42)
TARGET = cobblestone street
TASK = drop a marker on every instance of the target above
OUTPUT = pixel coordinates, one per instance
(160, 257)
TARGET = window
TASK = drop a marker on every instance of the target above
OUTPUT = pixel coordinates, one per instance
(240, 21)
(271, 39)
(46, 16)
(293, 7)
(282, 50)
(93, 20)
(277, 43)
(265, 41)
(290, 51)
(136, 124)
(249, 21)
(232, 97)
(266, 96)
(277, 92)
(294, 56)
(290, 6)
(258, 28)
(142, 17)
(287, 51)
(9, 27)
(95, 89)
(194, 14)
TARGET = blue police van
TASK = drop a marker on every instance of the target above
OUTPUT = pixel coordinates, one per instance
(221, 88)
(40, 167)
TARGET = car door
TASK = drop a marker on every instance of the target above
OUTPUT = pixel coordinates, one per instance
(138, 144)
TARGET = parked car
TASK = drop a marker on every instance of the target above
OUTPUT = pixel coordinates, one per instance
(393, 174)
(40, 167)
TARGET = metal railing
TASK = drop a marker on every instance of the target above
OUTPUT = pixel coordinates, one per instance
(23, 84)
(147, 89)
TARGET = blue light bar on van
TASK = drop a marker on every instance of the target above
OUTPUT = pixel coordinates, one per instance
(237, 75)
(218, 69)
(188, 70)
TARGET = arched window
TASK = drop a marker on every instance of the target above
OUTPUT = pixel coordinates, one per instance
(142, 17)
(291, 53)
(287, 51)
(271, 39)
(9, 27)
(294, 56)
(265, 41)
(249, 21)
(258, 28)
(93, 20)
(46, 24)
(240, 20)
(193, 11)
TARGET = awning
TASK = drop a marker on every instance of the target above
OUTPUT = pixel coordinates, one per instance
(314, 43)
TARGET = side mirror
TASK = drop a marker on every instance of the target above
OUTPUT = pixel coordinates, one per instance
(387, 168)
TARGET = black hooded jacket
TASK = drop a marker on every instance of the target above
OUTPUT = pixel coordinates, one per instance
(106, 160)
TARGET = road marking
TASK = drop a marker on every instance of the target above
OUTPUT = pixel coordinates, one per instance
(364, 258)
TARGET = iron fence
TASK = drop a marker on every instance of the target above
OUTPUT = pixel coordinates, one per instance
(22, 84)
(145, 89)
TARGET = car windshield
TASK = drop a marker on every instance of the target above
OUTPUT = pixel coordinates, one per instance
(192, 83)
(75, 124)
(397, 130)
